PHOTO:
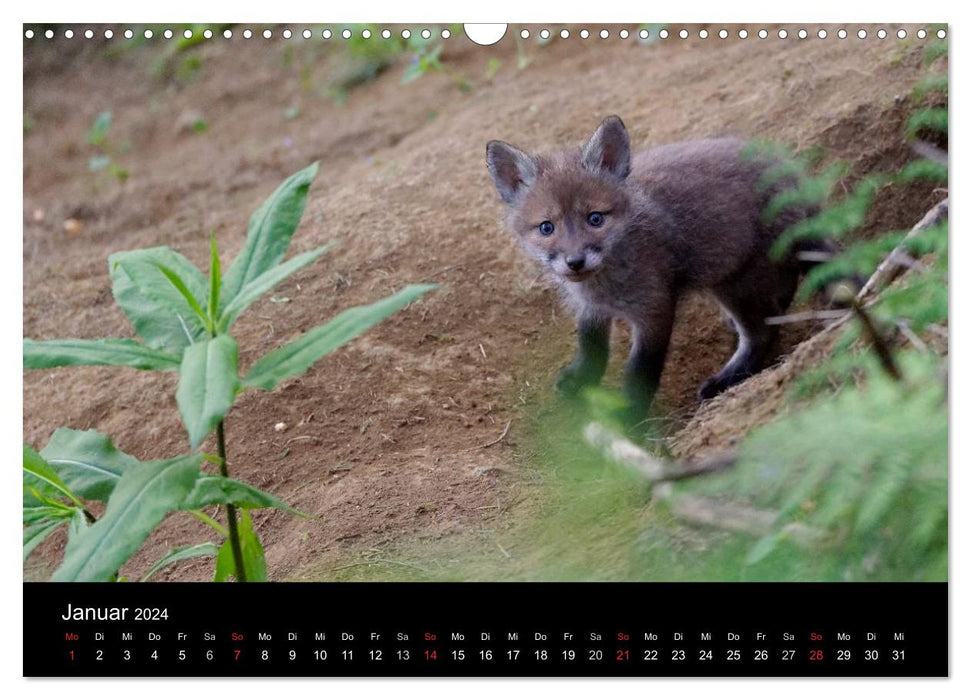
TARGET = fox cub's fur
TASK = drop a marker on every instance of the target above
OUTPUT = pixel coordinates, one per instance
(626, 234)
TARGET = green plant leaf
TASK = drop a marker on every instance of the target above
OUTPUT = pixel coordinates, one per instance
(212, 489)
(207, 385)
(158, 311)
(264, 283)
(190, 551)
(41, 477)
(99, 163)
(184, 291)
(763, 548)
(87, 461)
(143, 496)
(37, 533)
(270, 229)
(77, 524)
(215, 278)
(99, 129)
(254, 563)
(35, 513)
(119, 352)
(295, 357)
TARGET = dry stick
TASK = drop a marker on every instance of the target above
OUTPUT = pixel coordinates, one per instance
(879, 342)
(911, 336)
(824, 315)
(497, 440)
(627, 454)
(891, 268)
(696, 510)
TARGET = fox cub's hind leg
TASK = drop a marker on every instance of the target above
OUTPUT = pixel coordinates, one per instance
(590, 363)
(755, 337)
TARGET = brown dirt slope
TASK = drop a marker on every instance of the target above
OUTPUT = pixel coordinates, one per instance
(383, 437)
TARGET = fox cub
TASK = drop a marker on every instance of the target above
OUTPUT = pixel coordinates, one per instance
(625, 235)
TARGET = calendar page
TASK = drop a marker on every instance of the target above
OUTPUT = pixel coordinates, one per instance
(417, 349)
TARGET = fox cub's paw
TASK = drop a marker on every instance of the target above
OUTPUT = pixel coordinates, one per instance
(572, 379)
(712, 387)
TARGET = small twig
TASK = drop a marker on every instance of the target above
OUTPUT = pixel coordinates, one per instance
(498, 439)
(814, 256)
(299, 438)
(904, 260)
(911, 336)
(442, 271)
(824, 315)
(879, 342)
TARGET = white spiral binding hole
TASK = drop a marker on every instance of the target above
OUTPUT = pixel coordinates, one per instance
(543, 34)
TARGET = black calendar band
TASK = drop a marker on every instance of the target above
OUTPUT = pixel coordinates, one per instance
(481, 629)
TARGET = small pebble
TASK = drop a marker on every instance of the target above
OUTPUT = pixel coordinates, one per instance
(72, 226)
(280, 427)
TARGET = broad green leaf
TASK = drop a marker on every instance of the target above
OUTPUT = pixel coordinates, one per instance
(121, 352)
(87, 461)
(212, 489)
(295, 357)
(157, 310)
(37, 533)
(39, 475)
(270, 229)
(254, 563)
(78, 524)
(264, 283)
(143, 496)
(190, 551)
(207, 385)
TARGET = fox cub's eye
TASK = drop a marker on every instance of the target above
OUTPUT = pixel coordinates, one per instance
(595, 218)
(546, 228)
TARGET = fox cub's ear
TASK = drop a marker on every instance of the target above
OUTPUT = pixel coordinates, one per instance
(513, 171)
(608, 149)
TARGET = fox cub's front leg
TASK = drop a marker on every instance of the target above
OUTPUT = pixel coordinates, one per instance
(590, 363)
(642, 374)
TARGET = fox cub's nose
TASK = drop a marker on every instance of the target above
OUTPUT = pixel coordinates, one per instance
(576, 262)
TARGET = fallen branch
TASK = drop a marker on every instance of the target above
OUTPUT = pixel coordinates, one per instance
(892, 266)
(696, 510)
(625, 453)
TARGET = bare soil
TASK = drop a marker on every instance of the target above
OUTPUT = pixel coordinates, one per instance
(385, 439)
